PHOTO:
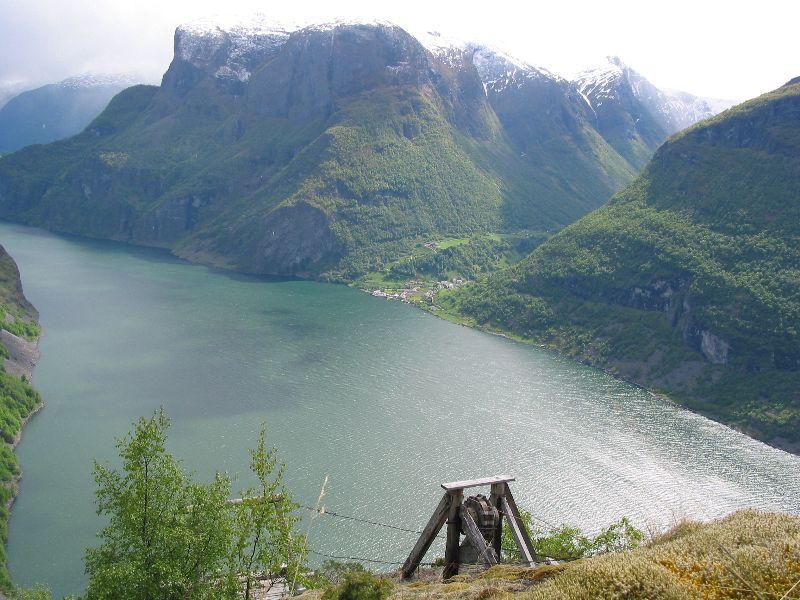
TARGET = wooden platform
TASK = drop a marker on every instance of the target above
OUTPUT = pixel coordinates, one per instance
(468, 483)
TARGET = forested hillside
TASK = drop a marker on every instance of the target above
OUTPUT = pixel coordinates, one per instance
(688, 281)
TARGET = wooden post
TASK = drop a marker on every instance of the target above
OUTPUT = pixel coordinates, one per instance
(449, 511)
(451, 563)
(516, 530)
(512, 505)
(486, 553)
(496, 495)
(425, 540)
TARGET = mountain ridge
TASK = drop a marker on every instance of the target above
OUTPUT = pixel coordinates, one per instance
(322, 151)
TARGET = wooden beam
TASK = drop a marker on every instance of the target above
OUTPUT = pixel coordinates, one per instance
(498, 491)
(517, 528)
(451, 562)
(486, 554)
(425, 540)
(253, 500)
(468, 483)
(512, 504)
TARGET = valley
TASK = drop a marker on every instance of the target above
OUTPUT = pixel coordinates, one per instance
(202, 247)
(349, 386)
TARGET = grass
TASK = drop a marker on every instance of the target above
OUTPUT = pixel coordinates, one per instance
(749, 554)
(451, 242)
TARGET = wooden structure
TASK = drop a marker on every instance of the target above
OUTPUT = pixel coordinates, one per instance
(451, 510)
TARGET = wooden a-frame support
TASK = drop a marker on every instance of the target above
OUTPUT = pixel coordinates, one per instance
(450, 511)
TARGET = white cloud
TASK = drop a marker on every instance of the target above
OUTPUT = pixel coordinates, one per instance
(721, 49)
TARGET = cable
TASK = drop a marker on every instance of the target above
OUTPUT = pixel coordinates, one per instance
(324, 511)
(330, 513)
(361, 559)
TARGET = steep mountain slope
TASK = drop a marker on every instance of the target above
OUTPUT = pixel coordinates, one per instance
(688, 281)
(18, 333)
(324, 150)
(56, 111)
(633, 115)
(543, 115)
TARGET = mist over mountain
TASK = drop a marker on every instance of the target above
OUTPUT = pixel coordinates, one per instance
(55, 111)
(632, 114)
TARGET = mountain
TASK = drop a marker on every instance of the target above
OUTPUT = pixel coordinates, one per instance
(9, 89)
(325, 150)
(55, 111)
(18, 400)
(633, 115)
(544, 117)
(688, 280)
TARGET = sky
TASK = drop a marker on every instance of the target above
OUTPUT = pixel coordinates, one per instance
(732, 50)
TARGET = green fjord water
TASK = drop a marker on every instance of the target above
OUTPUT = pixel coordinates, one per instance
(384, 399)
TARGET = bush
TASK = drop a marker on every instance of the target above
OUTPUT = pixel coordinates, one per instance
(38, 592)
(360, 585)
(333, 572)
(567, 542)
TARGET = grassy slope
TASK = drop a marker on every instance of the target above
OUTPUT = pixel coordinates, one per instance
(17, 398)
(706, 240)
(741, 556)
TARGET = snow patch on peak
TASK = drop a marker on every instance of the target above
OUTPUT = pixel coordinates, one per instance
(90, 80)
(348, 23)
(254, 25)
(449, 50)
(600, 83)
(496, 68)
(674, 110)
(437, 42)
(231, 44)
(499, 70)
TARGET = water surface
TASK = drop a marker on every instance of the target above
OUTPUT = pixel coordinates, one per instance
(384, 399)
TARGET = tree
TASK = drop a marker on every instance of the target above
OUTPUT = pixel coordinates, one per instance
(167, 536)
(170, 537)
(265, 545)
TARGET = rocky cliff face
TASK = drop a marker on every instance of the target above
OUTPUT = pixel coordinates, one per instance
(18, 400)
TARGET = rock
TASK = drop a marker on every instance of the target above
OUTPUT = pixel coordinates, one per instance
(23, 354)
(714, 348)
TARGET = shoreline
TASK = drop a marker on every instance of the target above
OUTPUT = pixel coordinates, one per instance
(790, 448)
(17, 478)
(210, 262)
(24, 357)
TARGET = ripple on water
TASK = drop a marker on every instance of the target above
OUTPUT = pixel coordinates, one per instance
(385, 400)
